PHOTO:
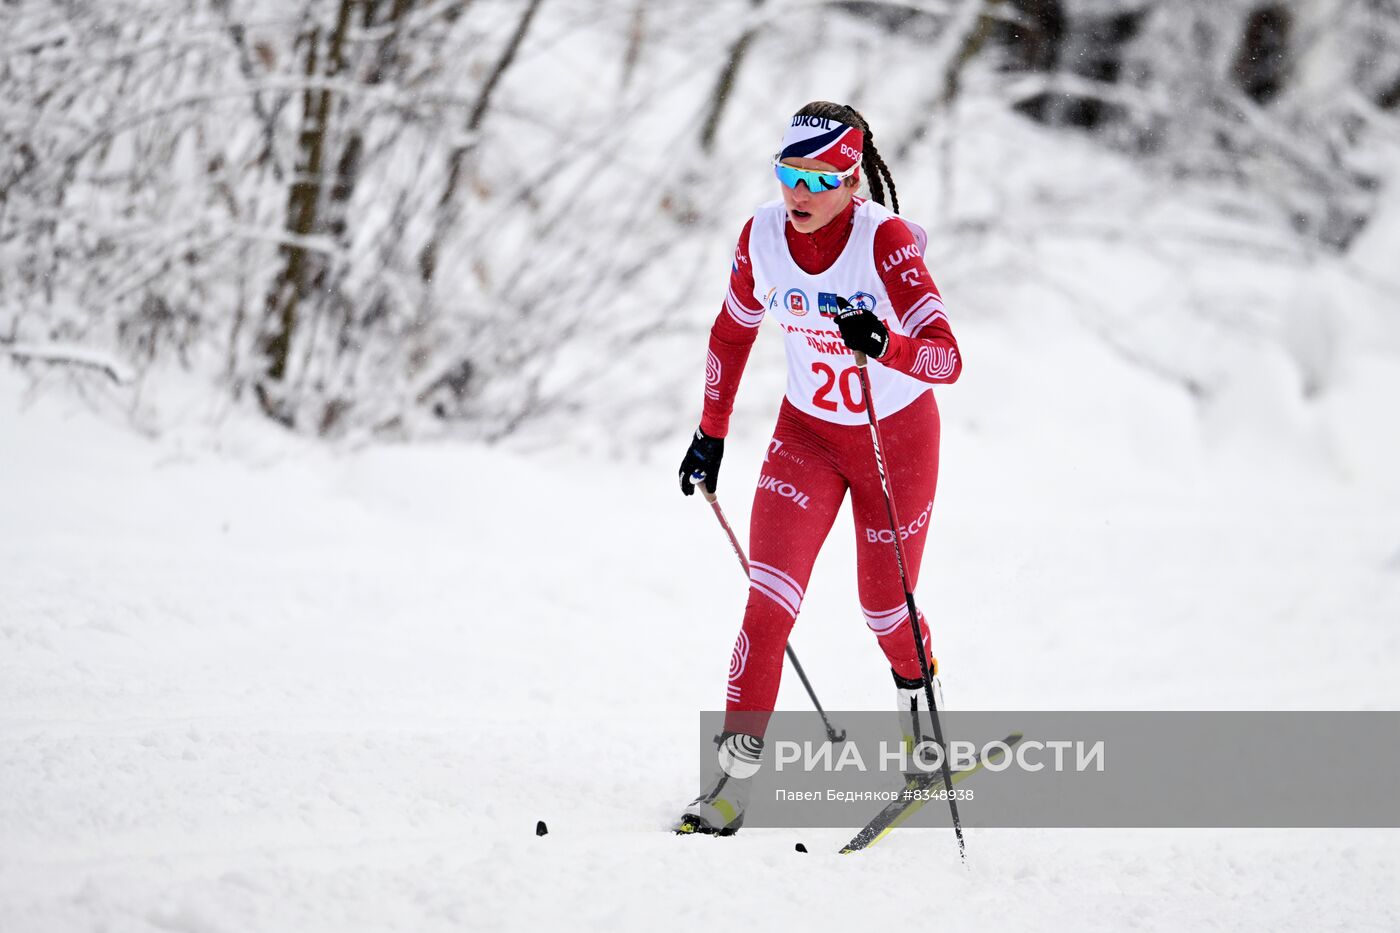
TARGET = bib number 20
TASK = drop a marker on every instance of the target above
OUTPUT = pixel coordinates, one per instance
(848, 382)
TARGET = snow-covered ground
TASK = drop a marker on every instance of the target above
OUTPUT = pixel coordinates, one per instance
(248, 682)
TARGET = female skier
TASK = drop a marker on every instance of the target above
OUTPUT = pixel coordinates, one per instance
(796, 257)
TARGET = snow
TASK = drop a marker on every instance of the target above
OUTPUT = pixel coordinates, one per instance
(250, 682)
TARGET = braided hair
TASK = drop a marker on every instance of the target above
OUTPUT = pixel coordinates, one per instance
(877, 173)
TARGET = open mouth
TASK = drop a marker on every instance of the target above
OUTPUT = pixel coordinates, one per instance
(800, 215)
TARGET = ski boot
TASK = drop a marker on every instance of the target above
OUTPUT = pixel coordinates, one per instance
(912, 706)
(719, 811)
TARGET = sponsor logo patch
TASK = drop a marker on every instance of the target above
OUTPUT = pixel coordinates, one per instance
(885, 536)
(864, 301)
(786, 490)
(795, 301)
(775, 446)
(898, 257)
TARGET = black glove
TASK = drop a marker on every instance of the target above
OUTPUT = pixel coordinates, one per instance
(862, 330)
(702, 462)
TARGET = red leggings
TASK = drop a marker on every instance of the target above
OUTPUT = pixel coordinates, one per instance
(809, 466)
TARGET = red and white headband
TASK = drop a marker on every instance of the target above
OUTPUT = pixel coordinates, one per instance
(828, 140)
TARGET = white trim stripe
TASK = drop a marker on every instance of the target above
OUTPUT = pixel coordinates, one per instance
(738, 299)
(790, 595)
(749, 317)
(776, 585)
(780, 600)
(925, 311)
(918, 330)
(916, 306)
(781, 575)
(882, 623)
(830, 148)
(712, 376)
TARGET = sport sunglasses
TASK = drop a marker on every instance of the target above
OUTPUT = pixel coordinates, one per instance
(817, 182)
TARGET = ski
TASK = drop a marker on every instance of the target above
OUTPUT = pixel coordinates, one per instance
(897, 811)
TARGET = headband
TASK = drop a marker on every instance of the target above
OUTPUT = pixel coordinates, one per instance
(821, 138)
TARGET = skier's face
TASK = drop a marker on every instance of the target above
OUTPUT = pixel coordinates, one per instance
(810, 212)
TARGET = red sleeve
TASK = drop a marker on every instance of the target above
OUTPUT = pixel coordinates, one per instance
(930, 352)
(731, 339)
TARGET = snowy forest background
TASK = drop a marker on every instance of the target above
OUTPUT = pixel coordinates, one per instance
(491, 218)
(348, 349)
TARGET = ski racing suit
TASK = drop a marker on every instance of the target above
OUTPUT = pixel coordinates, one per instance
(822, 445)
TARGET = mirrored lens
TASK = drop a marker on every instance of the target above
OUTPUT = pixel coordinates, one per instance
(816, 181)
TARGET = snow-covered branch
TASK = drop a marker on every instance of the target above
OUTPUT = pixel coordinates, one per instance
(69, 355)
(415, 215)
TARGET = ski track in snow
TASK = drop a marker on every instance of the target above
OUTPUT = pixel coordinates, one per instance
(278, 687)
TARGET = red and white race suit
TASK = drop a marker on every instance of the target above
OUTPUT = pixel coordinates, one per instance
(821, 446)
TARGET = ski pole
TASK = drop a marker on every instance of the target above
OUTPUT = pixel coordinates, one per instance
(713, 499)
(861, 363)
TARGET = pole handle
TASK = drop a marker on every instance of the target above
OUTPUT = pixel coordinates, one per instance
(861, 361)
